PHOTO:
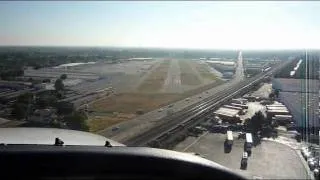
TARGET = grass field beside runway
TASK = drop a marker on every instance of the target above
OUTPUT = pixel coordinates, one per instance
(123, 107)
(205, 72)
(188, 76)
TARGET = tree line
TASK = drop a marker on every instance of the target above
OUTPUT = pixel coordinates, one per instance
(67, 116)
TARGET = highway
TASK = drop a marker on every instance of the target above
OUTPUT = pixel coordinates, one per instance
(180, 121)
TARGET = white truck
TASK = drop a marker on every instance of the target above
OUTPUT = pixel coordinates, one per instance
(228, 142)
(248, 143)
(230, 137)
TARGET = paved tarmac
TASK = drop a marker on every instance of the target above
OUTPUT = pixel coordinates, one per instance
(269, 160)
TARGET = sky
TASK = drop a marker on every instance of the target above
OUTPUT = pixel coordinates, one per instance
(182, 24)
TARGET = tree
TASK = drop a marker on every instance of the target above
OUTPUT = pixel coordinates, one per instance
(259, 124)
(58, 85)
(36, 66)
(46, 81)
(46, 100)
(25, 98)
(19, 110)
(63, 76)
(271, 95)
(10, 73)
(64, 108)
(276, 93)
(23, 104)
(77, 121)
(256, 123)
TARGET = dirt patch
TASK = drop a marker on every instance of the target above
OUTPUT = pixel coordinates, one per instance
(156, 79)
(126, 106)
(203, 88)
(187, 74)
(132, 102)
(100, 122)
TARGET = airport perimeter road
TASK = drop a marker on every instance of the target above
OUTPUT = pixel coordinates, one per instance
(269, 160)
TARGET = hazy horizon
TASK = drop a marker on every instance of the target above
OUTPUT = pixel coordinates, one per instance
(160, 48)
(162, 25)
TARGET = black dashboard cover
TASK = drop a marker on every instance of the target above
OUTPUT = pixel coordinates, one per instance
(99, 162)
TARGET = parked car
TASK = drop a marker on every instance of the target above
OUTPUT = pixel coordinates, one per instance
(313, 162)
(243, 112)
(305, 151)
(305, 148)
(316, 173)
(236, 127)
(265, 102)
(115, 128)
(298, 137)
(291, 127)
(306, 155)
(219, 128)
(309, 152)
(241, 135)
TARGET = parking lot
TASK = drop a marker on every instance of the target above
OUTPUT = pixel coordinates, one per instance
(269, 160)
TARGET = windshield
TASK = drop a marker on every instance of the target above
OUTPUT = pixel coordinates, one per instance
(233, 82)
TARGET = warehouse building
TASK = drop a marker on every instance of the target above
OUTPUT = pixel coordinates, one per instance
(303, 107)
(301, 97)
